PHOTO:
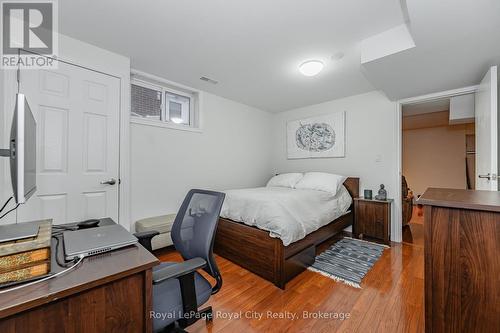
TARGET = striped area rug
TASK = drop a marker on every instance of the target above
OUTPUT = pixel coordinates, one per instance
(348, 260)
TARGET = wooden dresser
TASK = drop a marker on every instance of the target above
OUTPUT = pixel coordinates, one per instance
(462, 260)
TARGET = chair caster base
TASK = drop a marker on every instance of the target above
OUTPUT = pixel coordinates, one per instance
(207, 313)
(176, 327)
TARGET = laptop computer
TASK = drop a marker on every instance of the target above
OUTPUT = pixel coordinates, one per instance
(89, 242)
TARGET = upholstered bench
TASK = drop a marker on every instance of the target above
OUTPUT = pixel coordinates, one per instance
(162, 224)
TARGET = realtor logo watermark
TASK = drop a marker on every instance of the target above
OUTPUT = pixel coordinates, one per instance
(29, 34)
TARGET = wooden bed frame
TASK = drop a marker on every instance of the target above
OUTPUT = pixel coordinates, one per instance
(255, 250)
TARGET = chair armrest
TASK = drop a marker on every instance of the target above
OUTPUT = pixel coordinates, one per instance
(177, 270)
(145, 237)
(146, 234)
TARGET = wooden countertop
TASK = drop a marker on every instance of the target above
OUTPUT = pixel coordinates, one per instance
(465, 199)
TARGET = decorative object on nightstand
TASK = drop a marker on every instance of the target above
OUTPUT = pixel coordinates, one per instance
(373, 219)
(368, 194)
(382, 193)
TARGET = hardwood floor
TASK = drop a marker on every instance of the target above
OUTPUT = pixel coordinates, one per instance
(391, 299)
(414, 232)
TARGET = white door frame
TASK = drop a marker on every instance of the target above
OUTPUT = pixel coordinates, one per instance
(398, 236)
(87, 56)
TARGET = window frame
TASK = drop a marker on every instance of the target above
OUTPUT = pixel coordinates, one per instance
(164, 120)
(183, 94)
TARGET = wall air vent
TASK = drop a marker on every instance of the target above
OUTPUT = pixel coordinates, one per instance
(209, 80)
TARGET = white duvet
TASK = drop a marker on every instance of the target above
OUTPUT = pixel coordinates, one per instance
(288, 214)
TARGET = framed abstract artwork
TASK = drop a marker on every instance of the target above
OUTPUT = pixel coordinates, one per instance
(317, 137)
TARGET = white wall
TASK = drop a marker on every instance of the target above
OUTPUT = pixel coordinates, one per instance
(434, 157)
(462, 109)
(232, 151)
(371, 141)
(243, 147)
(370, 134)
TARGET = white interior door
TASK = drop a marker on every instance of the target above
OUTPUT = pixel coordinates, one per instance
(487, 132)
(77, 113)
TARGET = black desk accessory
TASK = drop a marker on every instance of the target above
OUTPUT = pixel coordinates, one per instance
(88, 224)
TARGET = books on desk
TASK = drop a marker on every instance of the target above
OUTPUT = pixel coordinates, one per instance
(25, 259)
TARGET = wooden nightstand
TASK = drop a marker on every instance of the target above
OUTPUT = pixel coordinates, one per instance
(372, 219)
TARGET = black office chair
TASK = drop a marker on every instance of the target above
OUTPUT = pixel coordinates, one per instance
(178, 290)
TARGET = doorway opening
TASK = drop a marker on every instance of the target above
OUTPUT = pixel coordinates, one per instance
(438, 150)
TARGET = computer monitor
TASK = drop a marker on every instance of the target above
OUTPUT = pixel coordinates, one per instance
(22, 151)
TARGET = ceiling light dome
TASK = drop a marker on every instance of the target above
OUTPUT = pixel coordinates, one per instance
(311, 67)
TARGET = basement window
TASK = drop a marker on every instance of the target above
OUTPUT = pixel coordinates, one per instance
(177, 108)
(166, 105)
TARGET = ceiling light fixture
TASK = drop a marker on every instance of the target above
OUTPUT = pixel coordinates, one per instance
(176, 120)
(311, 67)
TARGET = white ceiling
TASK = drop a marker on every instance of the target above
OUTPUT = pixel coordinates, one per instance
(456, 42)
(253, 47)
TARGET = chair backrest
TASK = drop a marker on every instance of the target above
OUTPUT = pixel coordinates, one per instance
(193, 231)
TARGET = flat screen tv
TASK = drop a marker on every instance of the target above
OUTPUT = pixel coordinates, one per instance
(23, 151)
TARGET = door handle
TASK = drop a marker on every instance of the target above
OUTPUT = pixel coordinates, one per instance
(110, 181)
(489, 176)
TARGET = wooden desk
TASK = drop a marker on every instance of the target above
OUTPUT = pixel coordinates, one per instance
(462, 262)
(111, 292)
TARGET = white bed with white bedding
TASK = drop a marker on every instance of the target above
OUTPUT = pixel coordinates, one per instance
(287, 213)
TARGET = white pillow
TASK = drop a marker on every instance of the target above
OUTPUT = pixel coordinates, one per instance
(285, 180)
(321, 181)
